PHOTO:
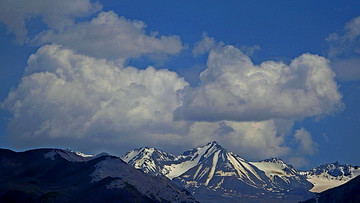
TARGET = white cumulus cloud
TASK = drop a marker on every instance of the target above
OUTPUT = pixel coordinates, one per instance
(233, 88)
(55, 14)
(70, 99)
(252, 140)
(105, 36)
(68, 95)
(112, 37)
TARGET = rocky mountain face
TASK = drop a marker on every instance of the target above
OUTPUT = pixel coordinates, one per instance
(213, 174)
(53, 175)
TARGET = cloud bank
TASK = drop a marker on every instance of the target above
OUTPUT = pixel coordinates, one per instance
(64, 94)
(88, 90)
(77, 91)
(65, 97)
(233, 88)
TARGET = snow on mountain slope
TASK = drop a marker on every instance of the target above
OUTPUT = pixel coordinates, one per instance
(225, 174)
(221, 172)
(157, 162)
(348, 192)
(217, 161)
(188, 160)
(275, 168)
(72, 155)
(321, 184)
(154, 187)
(157, 188)
(149, 160)
(328, 176)
(213, 169)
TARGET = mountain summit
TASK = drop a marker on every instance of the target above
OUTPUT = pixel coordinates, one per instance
(331, 175)
(212, 171)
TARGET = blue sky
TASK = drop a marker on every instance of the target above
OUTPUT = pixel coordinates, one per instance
(267, 86)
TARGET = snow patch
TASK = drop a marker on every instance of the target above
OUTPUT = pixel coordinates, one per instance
(197, 171)
(212, 170)
(271, 169)
(322, 184)
(327, 176)
(175, 170)
(71, 155)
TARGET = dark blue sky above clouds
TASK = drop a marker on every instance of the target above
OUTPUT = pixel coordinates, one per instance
(257, 76)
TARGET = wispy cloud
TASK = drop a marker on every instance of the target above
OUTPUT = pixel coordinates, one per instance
(56, 14)
(307, 145)
(205, 45)
(344, 51)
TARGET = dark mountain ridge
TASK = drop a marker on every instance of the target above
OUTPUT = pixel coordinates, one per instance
(52, 175)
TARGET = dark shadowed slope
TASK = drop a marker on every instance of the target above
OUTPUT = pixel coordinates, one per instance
(52, 175)
(346, 193)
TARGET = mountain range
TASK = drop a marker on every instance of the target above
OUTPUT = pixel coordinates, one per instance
(54, 175)
(214, 174)
(208, 173)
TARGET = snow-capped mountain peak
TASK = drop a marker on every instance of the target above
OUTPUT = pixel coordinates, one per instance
(334, 169)
(330, 175)
(149, 160)
(275, 160)
(211, 167)
(211, 170)
(206, 150)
